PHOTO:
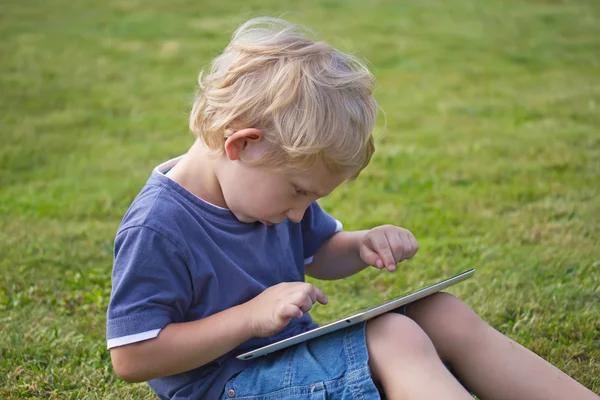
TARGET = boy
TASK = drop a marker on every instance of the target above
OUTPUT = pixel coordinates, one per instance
(211, 256)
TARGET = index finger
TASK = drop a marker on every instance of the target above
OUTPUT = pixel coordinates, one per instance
(321, 298)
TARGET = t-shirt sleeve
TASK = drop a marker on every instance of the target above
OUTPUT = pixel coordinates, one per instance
(151, 286)
(317, 227)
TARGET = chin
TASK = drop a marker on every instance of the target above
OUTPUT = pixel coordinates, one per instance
(245, 219)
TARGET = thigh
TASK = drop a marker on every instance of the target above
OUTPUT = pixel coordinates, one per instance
(334, 366)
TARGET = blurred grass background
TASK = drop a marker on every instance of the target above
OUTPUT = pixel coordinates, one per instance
(489, 154)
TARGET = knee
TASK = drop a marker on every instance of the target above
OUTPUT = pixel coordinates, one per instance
(444, 313)
(394, 336)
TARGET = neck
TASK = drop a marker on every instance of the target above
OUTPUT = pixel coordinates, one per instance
(196, 172)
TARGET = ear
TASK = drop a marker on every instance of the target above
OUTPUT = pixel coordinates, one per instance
(241, 142)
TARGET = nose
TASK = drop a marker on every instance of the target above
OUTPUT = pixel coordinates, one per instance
(296, 214)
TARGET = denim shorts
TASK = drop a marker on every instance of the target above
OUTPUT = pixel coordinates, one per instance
(333, 366)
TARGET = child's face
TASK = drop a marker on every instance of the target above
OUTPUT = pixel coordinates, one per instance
(262, 193)
(270, 196)
(267, 195)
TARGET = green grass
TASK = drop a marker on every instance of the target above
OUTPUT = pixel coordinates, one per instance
(490, 155)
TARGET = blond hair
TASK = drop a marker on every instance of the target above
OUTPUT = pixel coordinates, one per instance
(311, 101)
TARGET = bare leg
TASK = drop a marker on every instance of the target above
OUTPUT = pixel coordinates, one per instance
(493, 366)
(404, 360)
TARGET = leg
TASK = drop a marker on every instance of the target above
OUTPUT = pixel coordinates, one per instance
(404, 360)
(490, 364)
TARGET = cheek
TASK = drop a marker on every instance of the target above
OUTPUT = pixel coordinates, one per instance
(274, 199)
(273, 203)
(258, 200)
(261, 196)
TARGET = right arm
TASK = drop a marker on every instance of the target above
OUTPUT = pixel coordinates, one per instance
(185, 346)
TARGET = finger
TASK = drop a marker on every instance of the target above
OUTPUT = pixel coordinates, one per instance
(309, 290)
(371, 258)
(387, 255)
(412, 244)
(398, 246)
(302, 301)
(382, 247)
(296, 288)
(288, 311)
(321, 298)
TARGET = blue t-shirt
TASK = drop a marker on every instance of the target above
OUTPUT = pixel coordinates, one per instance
(179, 258)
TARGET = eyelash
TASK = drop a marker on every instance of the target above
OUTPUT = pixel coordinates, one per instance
(301, 192)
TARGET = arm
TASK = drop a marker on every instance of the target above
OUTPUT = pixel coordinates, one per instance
(152, 289)
(338, 257)
(183, 346)
(346, 253)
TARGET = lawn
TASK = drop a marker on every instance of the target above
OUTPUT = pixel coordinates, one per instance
(489, 152)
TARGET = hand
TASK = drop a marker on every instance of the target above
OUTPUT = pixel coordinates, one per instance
(274, 308)
(387, 245)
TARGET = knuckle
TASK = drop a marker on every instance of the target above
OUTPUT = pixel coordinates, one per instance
(397, 248)
(382, 245)
(306, 297)
(307, 288)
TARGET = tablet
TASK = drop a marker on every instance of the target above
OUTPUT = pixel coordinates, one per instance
(355, 319)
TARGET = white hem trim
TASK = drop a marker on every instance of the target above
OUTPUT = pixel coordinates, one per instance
(338, 226)
(136, 337)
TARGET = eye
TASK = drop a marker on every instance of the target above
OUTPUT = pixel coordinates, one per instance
(300, 192)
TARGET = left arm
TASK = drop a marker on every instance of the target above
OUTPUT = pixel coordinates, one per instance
(338, 257)
(347, 253)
